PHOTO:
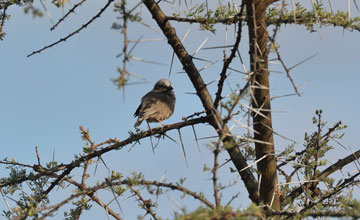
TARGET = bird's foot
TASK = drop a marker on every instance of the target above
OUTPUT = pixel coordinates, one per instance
(162, 126)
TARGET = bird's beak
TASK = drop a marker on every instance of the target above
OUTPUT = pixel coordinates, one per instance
(170, 88)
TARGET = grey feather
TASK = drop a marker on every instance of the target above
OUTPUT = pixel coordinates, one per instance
(158, 104)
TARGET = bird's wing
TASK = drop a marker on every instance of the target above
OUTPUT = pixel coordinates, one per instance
(137, 111)
(146, 102)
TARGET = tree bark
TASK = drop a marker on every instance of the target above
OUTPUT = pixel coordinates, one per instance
(258, 37)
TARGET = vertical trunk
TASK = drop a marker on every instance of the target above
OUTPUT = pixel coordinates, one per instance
(258, 35)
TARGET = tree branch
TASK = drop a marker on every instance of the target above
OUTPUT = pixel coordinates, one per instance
(173, 187)
(299, 20)
(72, 10)
(347, 182)
(66, 168)
(230, 20)
(331, 169)
(145, 204)
(228, 60)
(2, 21)
(75, 32)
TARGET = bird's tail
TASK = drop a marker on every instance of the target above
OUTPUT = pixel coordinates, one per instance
(138, 122)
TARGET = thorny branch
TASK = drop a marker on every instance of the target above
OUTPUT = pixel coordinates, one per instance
(125, 45)
(230, 20)
(83, 188)
(178, 188)
(346, 183)
(320, 138)
(314, 214)
(75, 32)
(124, 31)
(90, 191)
(116, 145)
(145, 204)
(299, 20)
(331, 169)
(274, 47)
(86, 136)
(228, 60)
(72, 10)
(287, 70)
(84, 191)
(215, 175)
(66, 169)
(324, 138)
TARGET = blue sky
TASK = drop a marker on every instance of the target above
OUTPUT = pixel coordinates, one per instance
(45, 98)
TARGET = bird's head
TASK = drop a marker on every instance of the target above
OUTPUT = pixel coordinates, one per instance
(163, 85)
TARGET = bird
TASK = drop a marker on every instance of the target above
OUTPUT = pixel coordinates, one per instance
(157, 105)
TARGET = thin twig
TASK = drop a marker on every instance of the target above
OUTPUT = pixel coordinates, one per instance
(86, 136)
(3, 20)
(287, 70)
(177, 187)
(37, 155)
(214, 172)
(228, 60)
(232, 199)
(5, 200)
(75, 32)
(72, 10)
(90, 192)
(122, 80)
(229, 20)
(145, 204)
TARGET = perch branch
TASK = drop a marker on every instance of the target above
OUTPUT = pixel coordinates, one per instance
(66, 168)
